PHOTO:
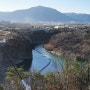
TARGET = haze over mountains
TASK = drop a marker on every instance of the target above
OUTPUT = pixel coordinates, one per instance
(82, 18)
(43, 14)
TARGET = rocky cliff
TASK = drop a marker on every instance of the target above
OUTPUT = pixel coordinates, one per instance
(17, 50)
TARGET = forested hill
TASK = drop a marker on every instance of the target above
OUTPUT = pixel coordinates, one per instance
(76, 43)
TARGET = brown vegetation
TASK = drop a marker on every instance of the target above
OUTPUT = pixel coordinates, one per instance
(76, 42)
(74, 76)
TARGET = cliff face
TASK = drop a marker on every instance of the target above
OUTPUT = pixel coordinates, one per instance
(76, 43)
(16, 50)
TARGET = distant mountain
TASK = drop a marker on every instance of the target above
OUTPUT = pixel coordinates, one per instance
(43, 14)
(35, 14)
(81, 18)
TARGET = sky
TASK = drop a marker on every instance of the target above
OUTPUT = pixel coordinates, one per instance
(77, 6)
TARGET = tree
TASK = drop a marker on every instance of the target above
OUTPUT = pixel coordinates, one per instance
(1, 87)
(13, 82)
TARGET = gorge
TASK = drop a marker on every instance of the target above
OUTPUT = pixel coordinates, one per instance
(18, 48)
(64, 41)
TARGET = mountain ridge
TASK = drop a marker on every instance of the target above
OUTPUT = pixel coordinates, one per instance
(42, 14)
(80, 17)
(35, 14)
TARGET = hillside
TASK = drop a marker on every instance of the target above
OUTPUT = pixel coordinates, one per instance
(76, 43)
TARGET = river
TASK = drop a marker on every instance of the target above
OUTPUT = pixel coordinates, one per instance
(40, 60)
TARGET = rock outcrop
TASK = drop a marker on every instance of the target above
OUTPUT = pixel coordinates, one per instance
(18, 51)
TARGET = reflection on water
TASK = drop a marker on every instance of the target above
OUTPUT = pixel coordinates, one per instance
(39, 61)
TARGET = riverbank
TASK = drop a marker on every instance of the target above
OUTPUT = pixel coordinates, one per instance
(50, 50)
(76, 43)
(39, 60)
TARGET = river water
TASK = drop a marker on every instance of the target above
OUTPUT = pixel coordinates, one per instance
(39, 61)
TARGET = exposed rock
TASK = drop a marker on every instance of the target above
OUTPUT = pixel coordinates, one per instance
(16, 50)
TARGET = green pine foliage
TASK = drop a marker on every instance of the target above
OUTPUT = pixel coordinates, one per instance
(75, 75)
